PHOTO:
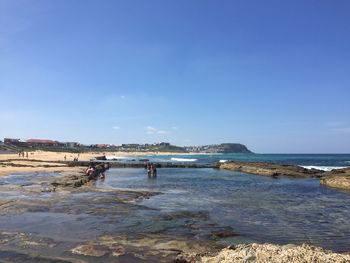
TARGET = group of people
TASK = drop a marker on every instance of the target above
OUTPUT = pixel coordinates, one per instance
(22, 154)
(151, 169)
(75, 159)
(96, 171)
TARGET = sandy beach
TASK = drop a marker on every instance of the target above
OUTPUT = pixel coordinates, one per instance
(59, 156)
(12, 163)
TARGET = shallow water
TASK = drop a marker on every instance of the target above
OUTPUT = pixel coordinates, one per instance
(258, 208)
(207, 207)
(50, 225)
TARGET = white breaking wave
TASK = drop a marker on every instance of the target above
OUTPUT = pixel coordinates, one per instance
(183, 159)
(324, 168)
(223, 161)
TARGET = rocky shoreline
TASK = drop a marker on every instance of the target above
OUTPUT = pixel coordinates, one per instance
(267, 253)
(271, 169)
(71, 194)
(75, 221)
(338, 179)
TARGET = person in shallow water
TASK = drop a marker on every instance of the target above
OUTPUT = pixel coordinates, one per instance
(105, 167)
(89, 170)
(151, 170)
(97, 172)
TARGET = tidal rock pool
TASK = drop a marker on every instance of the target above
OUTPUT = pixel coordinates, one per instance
(257, 208)
(129, 217)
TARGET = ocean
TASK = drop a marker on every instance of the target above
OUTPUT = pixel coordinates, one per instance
(318, 161)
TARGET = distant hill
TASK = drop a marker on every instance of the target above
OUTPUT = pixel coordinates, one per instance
(233, 148)
(220, 148)
(167, 148)
(156, 147)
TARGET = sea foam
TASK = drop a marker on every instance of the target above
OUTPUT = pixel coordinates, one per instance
(183, 159)
(323, 168)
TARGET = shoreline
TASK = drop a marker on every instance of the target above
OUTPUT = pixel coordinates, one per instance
(338, 179)
(85, 156)
(12, 163)
(115, 246)
(44, 161)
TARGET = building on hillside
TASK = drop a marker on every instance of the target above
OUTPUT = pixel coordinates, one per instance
(15, 142)
(130, 145)
(11, 141)
(101, 145)
(71, 144)
(43, 143)
(164, 144)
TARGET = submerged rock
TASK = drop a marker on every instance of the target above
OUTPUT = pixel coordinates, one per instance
(224, 233)
(91, 250)
(154, 245)
(74, 181)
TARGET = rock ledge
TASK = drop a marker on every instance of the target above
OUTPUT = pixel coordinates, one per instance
(270, 169)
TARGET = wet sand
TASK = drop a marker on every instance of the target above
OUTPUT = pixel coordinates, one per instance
(6, 170)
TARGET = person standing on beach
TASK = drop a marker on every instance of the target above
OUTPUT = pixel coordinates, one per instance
(65, 157)
(27, 155)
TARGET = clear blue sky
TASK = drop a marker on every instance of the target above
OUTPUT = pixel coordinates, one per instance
(274, 75)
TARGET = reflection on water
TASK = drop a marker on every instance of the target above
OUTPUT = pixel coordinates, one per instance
(196, 207)
(258, 208)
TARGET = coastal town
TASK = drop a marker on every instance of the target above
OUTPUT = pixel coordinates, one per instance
(44, 150)
(15, 144)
